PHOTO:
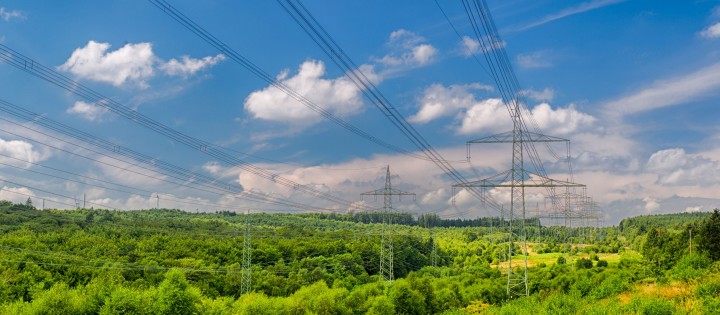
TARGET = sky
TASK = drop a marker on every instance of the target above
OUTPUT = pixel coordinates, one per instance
(632, 84)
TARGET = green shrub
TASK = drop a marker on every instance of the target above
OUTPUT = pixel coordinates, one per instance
(583, 263)
(708, 288)
(602, 263)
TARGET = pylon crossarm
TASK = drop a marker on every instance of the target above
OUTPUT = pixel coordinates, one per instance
(531, 180)
(526, 136)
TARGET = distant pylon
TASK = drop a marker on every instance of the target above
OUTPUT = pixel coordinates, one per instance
(433, 253)
(386, 241)
(246, 280)
(517, 179)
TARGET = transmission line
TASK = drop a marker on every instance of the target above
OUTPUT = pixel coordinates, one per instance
(32, 67)
(329, 46)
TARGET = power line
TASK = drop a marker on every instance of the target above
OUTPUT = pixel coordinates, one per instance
(307, 22)
(185, 176)
(32, 67)
(253, 68)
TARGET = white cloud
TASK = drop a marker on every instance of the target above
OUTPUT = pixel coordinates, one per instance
(712, 31)
(651, 204)
(128, 172)
(491, 114)
(537, 59)
(485, 115)
(213, 168)
(693, 209)
(189, 66)
(19, 150)
(88, 111)
(561, 121)
(338, 96)
(583, 7)
(7, 15)
(469, 46)
(670, 92)
(546, 95)
(408, 50)
(438, 101)
(18, 195)
(131, 64)
(675, 167)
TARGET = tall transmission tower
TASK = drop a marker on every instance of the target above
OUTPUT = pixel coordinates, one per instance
(517, 179)
(386, 241)
(433, 253)
(246, 280)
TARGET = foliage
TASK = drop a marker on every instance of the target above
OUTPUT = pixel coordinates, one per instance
(162, 261)
(710, 236)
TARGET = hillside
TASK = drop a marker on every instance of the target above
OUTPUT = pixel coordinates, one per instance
(172, 262)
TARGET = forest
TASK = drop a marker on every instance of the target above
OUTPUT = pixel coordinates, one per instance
(163, 261)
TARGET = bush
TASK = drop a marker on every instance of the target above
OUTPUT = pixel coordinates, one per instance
(602, 263)
(561, 260)
(709, 288)
(691, 267)
(613, 285)
(583, 263)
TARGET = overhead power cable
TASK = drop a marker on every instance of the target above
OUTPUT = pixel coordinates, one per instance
(185, 176)
(181, 181)
(330, 47)
(253, 68)
(32, 67)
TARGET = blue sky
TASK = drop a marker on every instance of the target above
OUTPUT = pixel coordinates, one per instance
(631, 83)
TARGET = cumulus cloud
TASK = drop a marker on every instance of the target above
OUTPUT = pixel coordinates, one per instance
(130, 65)
(188, 66)
(128, 172)
(561, 121)
(408, 50)
(7, 15)
(470, 46)
(491, 114)
(17, 194)
(651, 205)
(712, 31)
(338, 96)
(693, 209)
(438, 101)
(537, 59)
(89, 111)
(485, 115)
(14, 150)
(676, 167)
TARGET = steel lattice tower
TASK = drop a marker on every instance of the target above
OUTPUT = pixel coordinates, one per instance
(433, 253)
(386, 241)
(517, 179)
(246, 280)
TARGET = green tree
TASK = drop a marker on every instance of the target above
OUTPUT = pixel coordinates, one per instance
(406, 300)
(175, 295)
(710, 236)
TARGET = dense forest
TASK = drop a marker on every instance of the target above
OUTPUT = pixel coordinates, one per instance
(162, 261)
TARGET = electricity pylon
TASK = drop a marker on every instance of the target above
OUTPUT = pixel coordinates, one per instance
(517, 179)
(246, 280)
(386, 242)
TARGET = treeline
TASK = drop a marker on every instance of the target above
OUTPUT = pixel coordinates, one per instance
(166, 261)
(423, 220)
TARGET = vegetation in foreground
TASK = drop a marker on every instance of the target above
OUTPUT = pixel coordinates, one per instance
(171, 262)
